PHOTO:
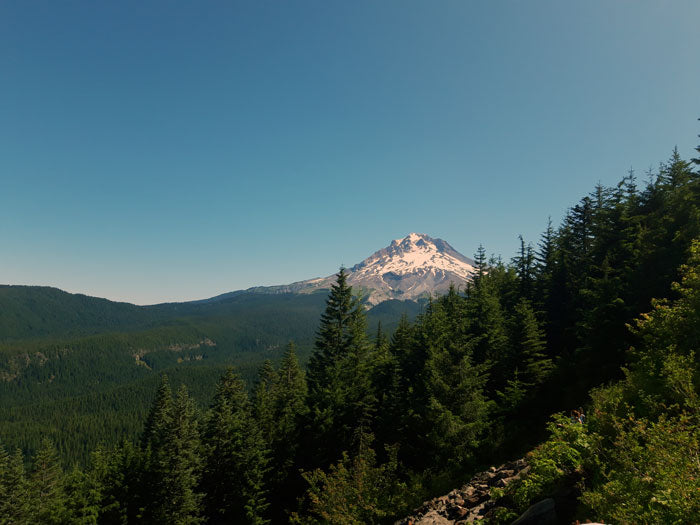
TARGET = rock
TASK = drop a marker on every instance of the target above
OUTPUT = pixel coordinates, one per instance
(433, 518)
(541, 513)
(501, 483)
(456, 513)
(475, 498)
(472, 502)
(505, 473)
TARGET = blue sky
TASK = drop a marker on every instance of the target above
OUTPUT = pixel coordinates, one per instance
(159, 151)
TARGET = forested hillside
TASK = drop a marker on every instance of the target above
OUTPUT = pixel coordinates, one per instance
(602, 312)
(92, 381)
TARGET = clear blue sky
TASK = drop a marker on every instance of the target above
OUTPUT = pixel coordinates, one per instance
(174, 150)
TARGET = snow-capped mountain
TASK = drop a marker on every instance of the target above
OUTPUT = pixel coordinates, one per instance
(409, 268)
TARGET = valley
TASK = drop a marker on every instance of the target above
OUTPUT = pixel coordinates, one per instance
(82, 370)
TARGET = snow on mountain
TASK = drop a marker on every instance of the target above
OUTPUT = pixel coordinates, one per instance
(409, 268)
(415, 252)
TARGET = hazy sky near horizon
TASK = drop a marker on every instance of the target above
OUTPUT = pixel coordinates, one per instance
(173, 150)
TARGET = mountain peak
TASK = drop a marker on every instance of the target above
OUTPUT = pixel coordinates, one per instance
(416, 252)
(409, 268)
(412, 238)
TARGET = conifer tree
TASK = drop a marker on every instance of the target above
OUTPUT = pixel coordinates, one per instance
(381, 341)
(524, 264)
(184, 463)
(236, 458)
(172, 459)
(82, 498)
(46, 486)
(120, 474)
(409, 358)
(400, 388)
(14, 489)
(339, 374)
(159, 416)
(4, 479)
(545, 261)
(528, 340)
(480, 265)
(285, 437)
(455, 410)
(264, 398)
(485, 321)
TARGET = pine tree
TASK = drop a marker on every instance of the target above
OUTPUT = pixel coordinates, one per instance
(285, 438)
(524, 264)
(545, 261)
(236, 458)
(46, 486)
(184, 463)
(454, 411)
(15, 496)
(381, 341)
(528, 340)
(485, 322)
(172, 461)
(480, 265)
(398, 389)
(82, 498)
(120, 474)
(4, 479)
(339, 374)
(264, 398)
(159, 416)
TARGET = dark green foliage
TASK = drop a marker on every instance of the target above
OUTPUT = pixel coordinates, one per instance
(46, 486)
(119, 473)
(455, 408)
(524, 264)
(636, 457)
(171, 459)
(341, 397)
(235, 459)
(355, 491)
(85, 390)
(15, 498)
(83, 498)
(264, 398)
(529, 357)
(281, 413)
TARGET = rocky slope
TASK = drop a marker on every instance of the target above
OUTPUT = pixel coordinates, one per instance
(470, 503)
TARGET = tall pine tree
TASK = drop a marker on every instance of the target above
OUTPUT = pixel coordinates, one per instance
(341, 397)
(236, 457)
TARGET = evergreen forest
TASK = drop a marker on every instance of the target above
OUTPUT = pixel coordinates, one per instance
(364, 416)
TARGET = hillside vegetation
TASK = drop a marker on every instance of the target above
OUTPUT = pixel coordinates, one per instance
(602, 314)
(93, 380)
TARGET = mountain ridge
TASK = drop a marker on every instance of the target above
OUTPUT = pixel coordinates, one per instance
(410, 268)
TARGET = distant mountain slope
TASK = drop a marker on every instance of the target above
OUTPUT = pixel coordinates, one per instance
(40, 311)
(408, 269)
(98, 374)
